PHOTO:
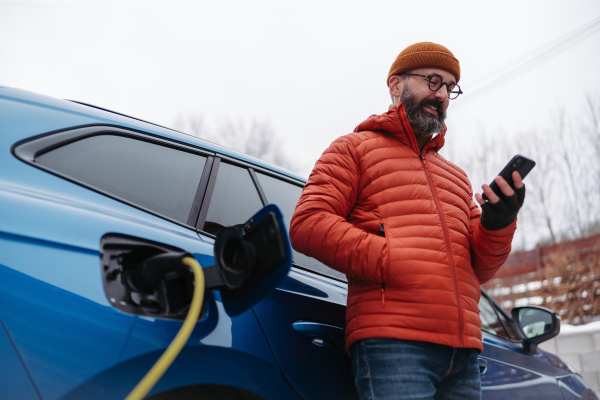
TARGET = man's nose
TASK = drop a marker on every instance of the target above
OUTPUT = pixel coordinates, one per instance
(442, 93)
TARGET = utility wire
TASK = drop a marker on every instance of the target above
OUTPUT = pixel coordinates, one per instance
(532, 60)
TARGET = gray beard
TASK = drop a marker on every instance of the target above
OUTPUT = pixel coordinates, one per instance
(422, 122)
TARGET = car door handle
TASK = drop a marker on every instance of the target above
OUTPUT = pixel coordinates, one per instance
(320, 334)
(483, 364)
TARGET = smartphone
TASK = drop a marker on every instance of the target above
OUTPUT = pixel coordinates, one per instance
(518, 163)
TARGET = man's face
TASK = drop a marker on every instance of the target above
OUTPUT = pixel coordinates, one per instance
(426, 116)
(425, 108)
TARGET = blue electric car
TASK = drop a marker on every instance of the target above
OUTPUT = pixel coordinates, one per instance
(87, 195)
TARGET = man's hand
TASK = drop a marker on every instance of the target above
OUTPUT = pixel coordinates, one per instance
(500, 211)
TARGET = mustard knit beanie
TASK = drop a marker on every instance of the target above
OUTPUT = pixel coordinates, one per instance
(423, 55)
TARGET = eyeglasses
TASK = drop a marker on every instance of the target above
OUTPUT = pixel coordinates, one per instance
(436, 83)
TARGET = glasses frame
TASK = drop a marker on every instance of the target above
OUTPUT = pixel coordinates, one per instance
(429, 77)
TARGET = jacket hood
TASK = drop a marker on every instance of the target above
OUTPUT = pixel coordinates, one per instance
(395, 122)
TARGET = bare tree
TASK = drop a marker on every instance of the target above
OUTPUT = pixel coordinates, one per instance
(194, 125)
(593, 123)
(591, 129)
(255, 138)
(541, 187)
(483, 162)
(568, 152)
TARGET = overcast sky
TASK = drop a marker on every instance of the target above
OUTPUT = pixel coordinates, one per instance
(312, 69)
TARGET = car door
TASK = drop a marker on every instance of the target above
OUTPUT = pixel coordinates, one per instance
(304, 317)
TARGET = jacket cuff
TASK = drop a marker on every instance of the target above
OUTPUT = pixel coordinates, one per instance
(509, 230)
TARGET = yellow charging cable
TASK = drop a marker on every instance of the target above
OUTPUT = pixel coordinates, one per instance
(165, 361)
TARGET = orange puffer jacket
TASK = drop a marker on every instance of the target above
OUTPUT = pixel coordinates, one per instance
(404, 228)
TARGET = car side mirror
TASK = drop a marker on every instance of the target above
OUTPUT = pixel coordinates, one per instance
(535, 325)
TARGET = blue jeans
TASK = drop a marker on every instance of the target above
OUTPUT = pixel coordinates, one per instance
(403, 369)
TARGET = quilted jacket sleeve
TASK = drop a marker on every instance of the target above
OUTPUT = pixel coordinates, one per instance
(489, 249)
(319, 227)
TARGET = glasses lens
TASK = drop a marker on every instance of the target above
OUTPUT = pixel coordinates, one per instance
(435, 82)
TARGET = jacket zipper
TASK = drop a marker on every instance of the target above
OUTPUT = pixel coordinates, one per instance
(386, 263)
(447, 240)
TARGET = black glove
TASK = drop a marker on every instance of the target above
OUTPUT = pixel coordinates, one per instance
(504, 212)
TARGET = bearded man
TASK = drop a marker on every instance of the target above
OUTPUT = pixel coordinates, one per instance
(385, 208)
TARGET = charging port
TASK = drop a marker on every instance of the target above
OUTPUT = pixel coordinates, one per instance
(145, 278)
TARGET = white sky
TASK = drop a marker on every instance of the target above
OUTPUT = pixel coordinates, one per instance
(313, 69)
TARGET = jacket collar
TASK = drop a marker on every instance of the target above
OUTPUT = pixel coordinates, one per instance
(395, 122)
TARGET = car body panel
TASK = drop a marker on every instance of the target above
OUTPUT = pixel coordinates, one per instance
(513, 373)
(12, 373)
(304, 321)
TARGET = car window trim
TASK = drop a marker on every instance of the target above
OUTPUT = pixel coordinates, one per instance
(498, 309)
(208, 193)
(263, 170)
(201, 192)
(29, 149)
(212, 179)
(261, 192)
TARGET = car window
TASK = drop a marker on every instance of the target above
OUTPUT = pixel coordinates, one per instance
(493, 321)
(158, 178)
(234, 199)
(285, 195)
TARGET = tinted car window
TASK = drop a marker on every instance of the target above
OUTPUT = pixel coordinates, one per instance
(159, 178)
(234, 199)
(285, 195)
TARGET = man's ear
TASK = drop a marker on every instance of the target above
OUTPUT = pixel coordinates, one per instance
(395, 84)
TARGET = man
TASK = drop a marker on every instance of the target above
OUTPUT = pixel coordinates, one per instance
(383, 207)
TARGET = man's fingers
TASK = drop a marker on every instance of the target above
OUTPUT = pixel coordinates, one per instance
(517, 180)
(506, 189)
(479, 199)
(490, 194)
(504, 186)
